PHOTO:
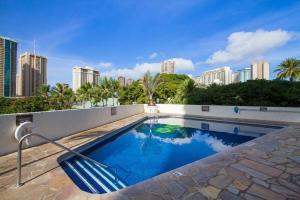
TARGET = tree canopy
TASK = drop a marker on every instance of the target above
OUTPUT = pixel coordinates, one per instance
(289, 68)
(167, 88)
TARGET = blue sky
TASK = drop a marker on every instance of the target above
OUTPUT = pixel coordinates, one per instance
(129, 37)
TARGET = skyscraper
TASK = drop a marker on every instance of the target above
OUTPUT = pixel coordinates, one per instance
(220, 75)
(129, 81)
(260, 70)
(84, 75)
(8, 67)
(245, 74)
(121, 80)
(32, 74)
(235, 77)
(168, 67)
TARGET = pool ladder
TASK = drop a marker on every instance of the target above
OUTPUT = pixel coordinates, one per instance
(19, 158)
(153, 110)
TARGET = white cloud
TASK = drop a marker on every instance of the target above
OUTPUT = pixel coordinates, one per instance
(105, 64)
(247, 45)
(183, 64)
(153, 55)
(139, 69)
(135, 72)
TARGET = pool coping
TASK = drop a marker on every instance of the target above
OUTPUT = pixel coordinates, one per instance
(285, 127)
(115, 133)
(197, 179)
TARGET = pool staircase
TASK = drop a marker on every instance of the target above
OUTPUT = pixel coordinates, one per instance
(92, 177)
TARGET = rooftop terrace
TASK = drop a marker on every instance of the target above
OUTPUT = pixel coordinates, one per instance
(267, 167)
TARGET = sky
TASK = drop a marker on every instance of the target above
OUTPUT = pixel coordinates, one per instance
(129, 37)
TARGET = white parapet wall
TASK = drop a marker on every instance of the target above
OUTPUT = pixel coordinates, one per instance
(58, 124)
(278, 114)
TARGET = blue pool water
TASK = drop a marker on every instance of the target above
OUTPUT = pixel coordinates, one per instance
(150, 149)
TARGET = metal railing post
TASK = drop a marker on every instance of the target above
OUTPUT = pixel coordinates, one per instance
(19, 161)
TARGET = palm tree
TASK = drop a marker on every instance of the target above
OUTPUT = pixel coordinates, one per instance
(150, 84)
(115, 86)
(84, 93)
(62, 95)
(184, 94)
(44, 91)
(95, 95)
(106, 89)
(289, 68)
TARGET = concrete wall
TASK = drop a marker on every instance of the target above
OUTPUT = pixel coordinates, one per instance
(58, 124)
(280, 114)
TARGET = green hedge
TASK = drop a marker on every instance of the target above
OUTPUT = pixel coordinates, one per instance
(250, 93)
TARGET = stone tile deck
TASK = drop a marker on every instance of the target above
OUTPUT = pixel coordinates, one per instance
(265, 168)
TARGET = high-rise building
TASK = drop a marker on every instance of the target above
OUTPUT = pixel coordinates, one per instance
(235, 77)
(220, 75)
(129, 81)
(245, 74)
(260, 70)
(168, 67)
(121, 80)
(8, 67)
(32, 74)
(84, 75)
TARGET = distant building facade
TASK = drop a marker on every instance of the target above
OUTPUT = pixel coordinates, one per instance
(129, 81)
(245, 74)
(84, 75)
(222, 75)
(121, 80)
(8, 67)
(32, 74)
(168, 67)
(235, 77)
(260, 70)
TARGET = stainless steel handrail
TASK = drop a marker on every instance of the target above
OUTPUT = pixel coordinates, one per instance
(19, 159)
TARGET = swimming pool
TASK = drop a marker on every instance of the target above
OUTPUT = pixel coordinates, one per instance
(152, 147)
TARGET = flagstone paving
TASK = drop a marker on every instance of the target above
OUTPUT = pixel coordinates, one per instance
(265, 168)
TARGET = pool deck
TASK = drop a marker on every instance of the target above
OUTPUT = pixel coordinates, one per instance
(267, 167)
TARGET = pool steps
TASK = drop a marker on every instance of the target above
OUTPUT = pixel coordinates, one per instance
(93, 177)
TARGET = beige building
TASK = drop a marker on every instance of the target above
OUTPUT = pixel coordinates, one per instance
(121, 80)
(8, 67)
(32, 74)
(222, 75)
(235, 77)
(168, 67)
(260, 70)
(129, 81)
(84, 75)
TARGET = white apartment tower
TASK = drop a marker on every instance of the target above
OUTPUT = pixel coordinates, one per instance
(84, 75)
(260, 70)
(222, 75)
(32, 74)
(168, 67)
